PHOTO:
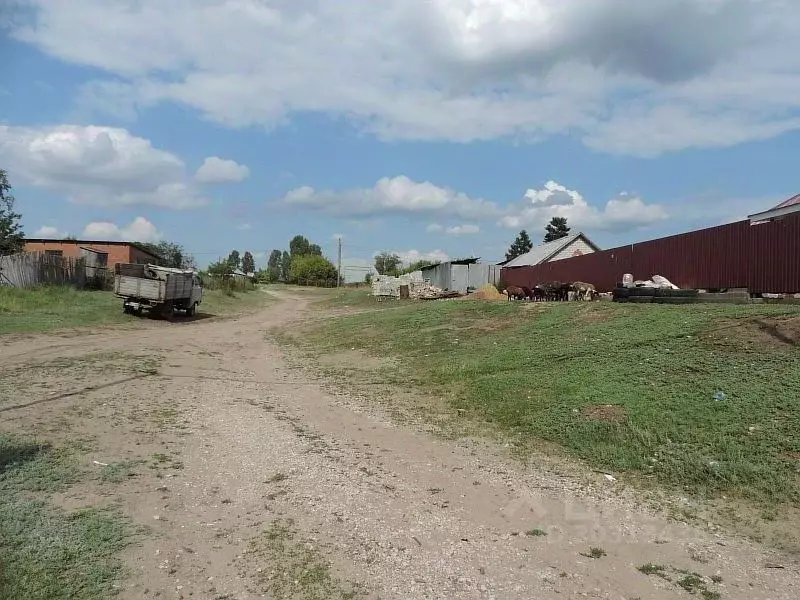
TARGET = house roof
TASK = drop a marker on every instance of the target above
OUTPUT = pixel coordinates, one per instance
(82, 242)
(457, 261)
(786, 207)
(544, 252)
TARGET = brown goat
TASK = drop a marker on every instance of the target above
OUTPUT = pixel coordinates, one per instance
(514, 291)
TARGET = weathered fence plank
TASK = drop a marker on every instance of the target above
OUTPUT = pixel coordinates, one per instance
(31, 269)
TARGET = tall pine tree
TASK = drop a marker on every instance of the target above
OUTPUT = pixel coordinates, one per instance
(520, 246)
(248, 263)
(556, 229)
(12, 239)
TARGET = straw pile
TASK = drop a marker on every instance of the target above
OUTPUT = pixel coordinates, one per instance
(487, 292)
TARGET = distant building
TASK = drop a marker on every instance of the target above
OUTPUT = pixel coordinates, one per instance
(118, 252)
(576, 244)
(787, 207)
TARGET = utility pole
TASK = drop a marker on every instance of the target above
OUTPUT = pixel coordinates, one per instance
(339, 278)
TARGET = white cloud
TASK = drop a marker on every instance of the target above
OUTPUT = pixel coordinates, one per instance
(555, 200)
(395, 195)
(401, 195)
(103, 166)
(220, 170)
(411, 256)
(139, 230)
(466, 229)
(447, 69)
(48, 231)
(244, 226)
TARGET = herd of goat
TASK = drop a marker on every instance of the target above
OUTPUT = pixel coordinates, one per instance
(553, 292)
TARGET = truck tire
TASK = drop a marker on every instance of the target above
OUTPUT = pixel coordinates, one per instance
(191, 310)
(641, 291)
(670, 293)
(166, 310)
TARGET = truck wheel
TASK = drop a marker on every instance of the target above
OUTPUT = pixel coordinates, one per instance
(191, 310)
(127, 309)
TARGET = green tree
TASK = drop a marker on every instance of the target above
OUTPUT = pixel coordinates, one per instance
(286, 266)
(274, 266)
(368, 278)
(248, 262)
(556, 229)
(12, 238)
(521, 245)
(387, 263)
(420, 264)
(221, 268)
(171, 254)
(234, 260)
(313, 270)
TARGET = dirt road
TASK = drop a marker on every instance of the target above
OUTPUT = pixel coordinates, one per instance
(250, 478)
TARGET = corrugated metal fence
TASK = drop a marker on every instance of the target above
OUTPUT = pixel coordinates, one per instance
(33, 268)
(763, 258)
(460, 277)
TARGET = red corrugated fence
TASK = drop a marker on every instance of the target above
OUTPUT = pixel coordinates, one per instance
(762, 258)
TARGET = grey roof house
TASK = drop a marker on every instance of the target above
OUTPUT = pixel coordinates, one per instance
(570, 246)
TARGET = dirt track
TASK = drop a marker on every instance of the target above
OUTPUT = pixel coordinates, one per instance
(234, 442)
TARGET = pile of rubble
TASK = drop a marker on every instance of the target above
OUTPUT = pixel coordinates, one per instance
(384, 285)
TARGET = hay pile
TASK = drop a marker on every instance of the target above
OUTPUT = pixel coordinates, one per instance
(488, 292)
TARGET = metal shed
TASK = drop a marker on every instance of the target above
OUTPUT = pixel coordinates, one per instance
(461, 275)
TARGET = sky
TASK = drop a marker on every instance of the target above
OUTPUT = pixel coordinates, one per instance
(429, 128)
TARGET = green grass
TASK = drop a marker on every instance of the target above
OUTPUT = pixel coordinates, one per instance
(53, 307)
(532, 372)
(47, 553)
(48, 308)
(356, 298)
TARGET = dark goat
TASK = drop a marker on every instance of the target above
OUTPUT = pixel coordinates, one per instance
(528, 293)
(539, 293)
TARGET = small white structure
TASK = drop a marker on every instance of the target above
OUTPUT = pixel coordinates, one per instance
(386, 285)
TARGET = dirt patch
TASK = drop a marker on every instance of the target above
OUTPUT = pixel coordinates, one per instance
(593, 315)
(492, 325)
(608, 413)
(758, 334)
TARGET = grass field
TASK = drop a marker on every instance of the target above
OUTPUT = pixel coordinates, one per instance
(625, 388)
(50, 308)
(46, 551)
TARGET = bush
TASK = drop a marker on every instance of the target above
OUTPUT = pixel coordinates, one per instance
(313, 270)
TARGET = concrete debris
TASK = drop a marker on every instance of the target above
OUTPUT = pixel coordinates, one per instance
(384, 285)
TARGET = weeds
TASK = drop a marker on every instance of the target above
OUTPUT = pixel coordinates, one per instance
(277, 478)
(297, 569)
(47, 552)
(536, 533)
(693, 583)
(594, 553)
(120, 471)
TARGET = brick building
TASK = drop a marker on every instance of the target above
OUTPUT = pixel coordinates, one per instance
(118, 252)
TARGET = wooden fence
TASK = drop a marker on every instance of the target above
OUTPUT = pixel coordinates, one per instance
(32, 269)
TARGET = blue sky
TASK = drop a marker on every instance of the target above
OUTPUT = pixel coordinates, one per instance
(431, 128)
